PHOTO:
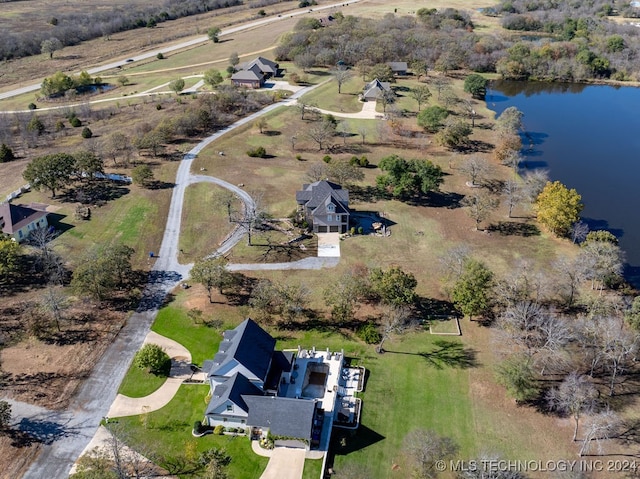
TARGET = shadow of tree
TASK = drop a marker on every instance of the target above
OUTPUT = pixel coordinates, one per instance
(451, 354)
(512, 228)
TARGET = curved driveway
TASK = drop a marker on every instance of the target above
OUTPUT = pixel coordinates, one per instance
(68, 432)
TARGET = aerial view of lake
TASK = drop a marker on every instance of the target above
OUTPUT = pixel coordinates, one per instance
(588, 138)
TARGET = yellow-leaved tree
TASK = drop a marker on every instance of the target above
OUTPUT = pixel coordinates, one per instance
(558, 208)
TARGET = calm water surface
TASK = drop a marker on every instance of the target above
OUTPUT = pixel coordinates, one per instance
(588, 137)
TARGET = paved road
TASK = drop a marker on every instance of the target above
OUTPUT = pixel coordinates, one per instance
(66, 433)
(179, 46)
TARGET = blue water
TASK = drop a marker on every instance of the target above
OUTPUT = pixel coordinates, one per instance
(588, 137)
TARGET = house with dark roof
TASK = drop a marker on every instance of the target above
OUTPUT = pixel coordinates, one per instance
(295, 396)
(398, 68)
(18, 221)
(282, 416)
(325, 206)
(247, 349)
(227, 404)
(375, 89)
(253, 74)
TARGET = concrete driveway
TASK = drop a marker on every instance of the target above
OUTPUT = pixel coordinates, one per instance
(329, 245)
(285, 463)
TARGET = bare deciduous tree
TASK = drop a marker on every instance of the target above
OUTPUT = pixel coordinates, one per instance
(599, 428)
(321, 132)
(395, 320)
(576, 396)
(512, 194)
(568, 274)
(476, 168)
(317, 171)
(342, 75)
(55, 303)
(479, 205)
(426, 448)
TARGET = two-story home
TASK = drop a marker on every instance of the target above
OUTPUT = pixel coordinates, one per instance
(289, 394)
(325, 206)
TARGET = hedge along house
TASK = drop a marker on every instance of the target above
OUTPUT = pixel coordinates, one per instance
(18, 221)
(325, 206)
(289, 394)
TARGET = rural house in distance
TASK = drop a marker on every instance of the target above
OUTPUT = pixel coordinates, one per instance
(325, 206)
(299, 395)
(253, 74)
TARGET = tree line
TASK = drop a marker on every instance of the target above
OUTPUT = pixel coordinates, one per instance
(73, 28)
(578, 45)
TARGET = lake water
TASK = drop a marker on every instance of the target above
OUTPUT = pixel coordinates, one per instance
(588, 137)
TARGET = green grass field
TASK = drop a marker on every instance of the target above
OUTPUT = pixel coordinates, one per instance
(139, 383)
(167, 432)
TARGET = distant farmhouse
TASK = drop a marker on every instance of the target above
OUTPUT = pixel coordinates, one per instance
(325, 206)
(398, 68)
(375, 89)
(18, 221)
(253, 74)
(296, 395)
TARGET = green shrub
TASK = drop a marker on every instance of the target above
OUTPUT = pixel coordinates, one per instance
(299, 157)
(158, 106)
(369, 333)
(59, 125)
(6, 154)
(197, 427)
(360, 230)
(160, 56)
(153, 358)
(32, 106)
(352, 230)
(218, 430)
(35, 125)
(326, 159)
(258, 152)
(75, 122)
(364, 161)
(86, 132)
(354, 160)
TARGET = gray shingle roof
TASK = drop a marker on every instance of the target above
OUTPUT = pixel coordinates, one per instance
(398, 66)
(375, 88)
(232, 389)
(253, 73)
(283, 416)
(249, 345)
(314, 194)
(263, 64)
(321, 209)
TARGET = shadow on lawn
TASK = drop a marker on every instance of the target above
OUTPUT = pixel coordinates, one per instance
(345, 441)
(446, 354)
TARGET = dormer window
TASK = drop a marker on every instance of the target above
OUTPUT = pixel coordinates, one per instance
(331, 208)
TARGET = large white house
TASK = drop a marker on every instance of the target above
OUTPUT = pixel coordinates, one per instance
(291, 394)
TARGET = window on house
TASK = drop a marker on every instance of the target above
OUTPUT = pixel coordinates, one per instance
(229, 407)
(328, 217)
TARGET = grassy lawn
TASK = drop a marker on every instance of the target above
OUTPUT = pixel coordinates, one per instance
(167, 432)
(444, 326)
(312, 468)
(326, 96)
(205, 222)
(139, 383)
(201, 340)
